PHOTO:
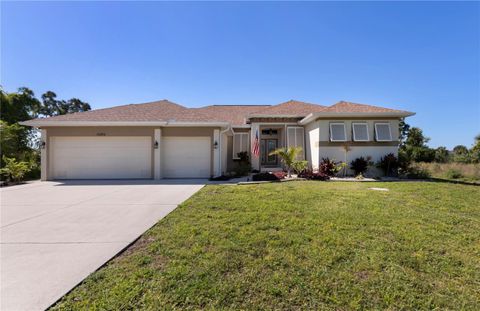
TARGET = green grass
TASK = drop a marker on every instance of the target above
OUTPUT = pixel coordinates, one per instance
(301, 245)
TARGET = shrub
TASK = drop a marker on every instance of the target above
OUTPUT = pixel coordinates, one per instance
(242, 167)
(360, 165)
(287, 156)
(453, 174)
(389, 165)
(417, 171)
(13, 170)
(268, 176)
(299, 166)
(309, 174)
(330, 167)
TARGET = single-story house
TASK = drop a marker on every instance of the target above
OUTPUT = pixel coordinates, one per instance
(165, 140)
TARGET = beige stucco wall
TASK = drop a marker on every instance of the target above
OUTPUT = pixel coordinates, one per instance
(324, 128)
(317, 135)
(127, 131)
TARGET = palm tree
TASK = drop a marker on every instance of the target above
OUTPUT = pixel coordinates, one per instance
(288, 156)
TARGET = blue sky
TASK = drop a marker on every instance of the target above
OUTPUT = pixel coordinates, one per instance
(418, 56)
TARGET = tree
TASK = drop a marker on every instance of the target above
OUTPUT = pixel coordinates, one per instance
(415, 147)
(19, 106)
(53, 107)
(288, 156)
(461, 154)
(475, 151)
(14, 139)
(415, 138)
(442, 155)
(403, 130)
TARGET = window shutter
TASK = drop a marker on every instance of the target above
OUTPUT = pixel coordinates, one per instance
(383, 132)
(337, 132)
(360, 131)
(295, 138)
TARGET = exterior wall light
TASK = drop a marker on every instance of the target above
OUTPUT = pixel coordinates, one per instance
(42, 144)
(155, 145)
(215, 145)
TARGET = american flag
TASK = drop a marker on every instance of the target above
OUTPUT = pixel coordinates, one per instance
(256, 146)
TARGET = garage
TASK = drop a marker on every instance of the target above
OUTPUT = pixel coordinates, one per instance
(186, 157)
(120, 157)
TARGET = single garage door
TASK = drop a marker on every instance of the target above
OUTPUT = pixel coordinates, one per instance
(186, 157)
(100, 157)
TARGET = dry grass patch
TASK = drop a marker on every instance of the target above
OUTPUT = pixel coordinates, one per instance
(456, 171)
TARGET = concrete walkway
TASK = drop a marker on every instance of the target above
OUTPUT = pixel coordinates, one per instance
(54, 234)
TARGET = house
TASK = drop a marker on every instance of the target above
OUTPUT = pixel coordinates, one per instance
(165, 140)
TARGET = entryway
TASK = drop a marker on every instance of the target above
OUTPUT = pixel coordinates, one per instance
(266, 147)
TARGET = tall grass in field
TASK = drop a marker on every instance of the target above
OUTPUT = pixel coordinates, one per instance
(459, 171)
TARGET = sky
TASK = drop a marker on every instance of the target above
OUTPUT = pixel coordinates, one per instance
(418, 56)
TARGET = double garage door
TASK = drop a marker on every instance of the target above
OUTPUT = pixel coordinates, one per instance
(131, 157)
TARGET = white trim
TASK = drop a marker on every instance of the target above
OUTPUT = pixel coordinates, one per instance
(48, 123)
(354, 133)
(313, 116)
(389, 131)
(44, 154)
(157, 167)
(234, 154)
(216, 154)
(344, 131)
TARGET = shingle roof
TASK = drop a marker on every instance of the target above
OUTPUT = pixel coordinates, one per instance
(343, 106)
(164, 110)
(291, 107)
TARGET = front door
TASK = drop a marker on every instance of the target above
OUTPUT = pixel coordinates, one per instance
(267, 146)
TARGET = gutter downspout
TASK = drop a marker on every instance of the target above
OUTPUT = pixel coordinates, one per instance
(228, 128)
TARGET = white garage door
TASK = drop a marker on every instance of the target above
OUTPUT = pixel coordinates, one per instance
(186, 157)
(100, 157)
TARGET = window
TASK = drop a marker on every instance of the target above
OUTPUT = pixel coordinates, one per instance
(383, 132)
(295, 138)
(240, 143)
(337, 132)
(269, 132)
(360, 131)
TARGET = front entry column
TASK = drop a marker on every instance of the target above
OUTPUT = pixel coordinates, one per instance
(157, 141)
(43, 155)
(216, 153)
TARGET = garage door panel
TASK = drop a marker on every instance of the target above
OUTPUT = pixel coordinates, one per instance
(186, 157)
(100, 157)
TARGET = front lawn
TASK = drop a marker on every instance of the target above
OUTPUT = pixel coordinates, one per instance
(301, 245)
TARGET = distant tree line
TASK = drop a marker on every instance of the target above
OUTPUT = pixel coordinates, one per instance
(20, 156)
(414, 148)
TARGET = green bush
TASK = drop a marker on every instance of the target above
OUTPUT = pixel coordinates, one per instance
(389, 164)
(299, 166)
(242, 169)
(453, 174)
(417, 172)
(13, 170)
(360, 165)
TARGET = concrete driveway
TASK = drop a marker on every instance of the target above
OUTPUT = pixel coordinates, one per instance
(54, 234)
